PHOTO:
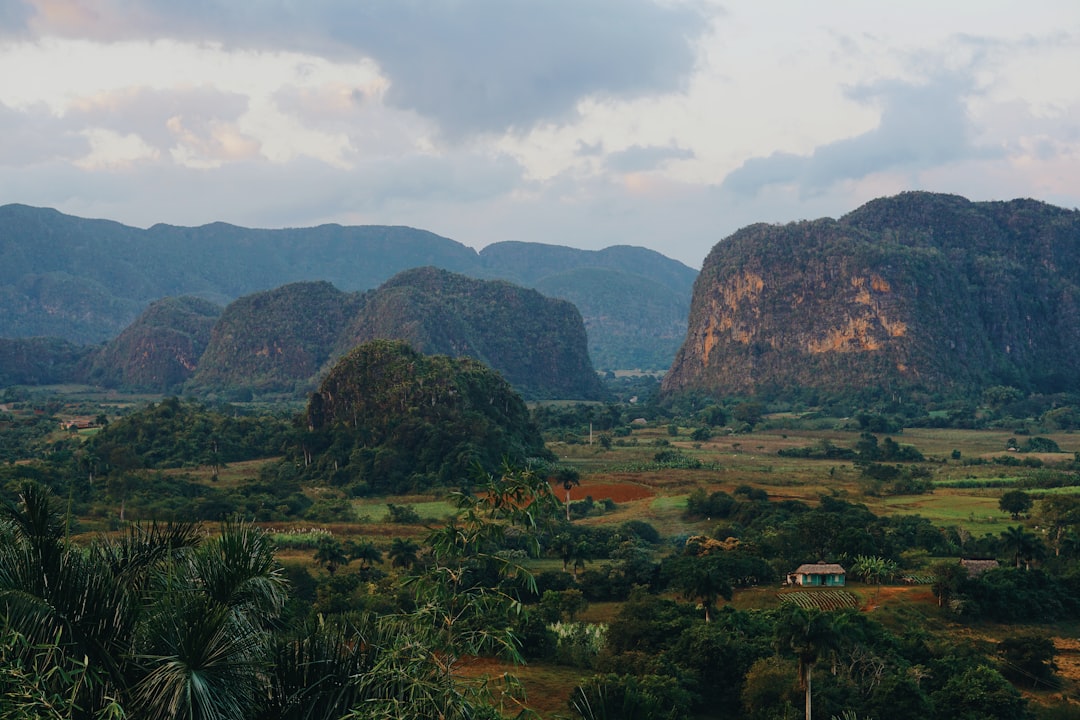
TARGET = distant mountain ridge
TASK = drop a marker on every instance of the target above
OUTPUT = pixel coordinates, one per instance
(86, 280)
(920, 292)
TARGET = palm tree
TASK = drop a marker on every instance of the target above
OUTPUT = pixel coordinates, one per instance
(807, 633)
(403, 553)
(562, 545)
(154, 623)
(317, 669)
(364, 551)
(569, 478)
(204, 640)
(331, 554)
(1020, 544)
(582, 553)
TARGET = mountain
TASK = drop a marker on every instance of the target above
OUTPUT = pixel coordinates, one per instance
(631, 321)
(41, 361)
(918, 292)
(275, 341)
(86, 280)
(634, 301)
(159, 351)
(537, 343)
(389, 419)
(281, 340)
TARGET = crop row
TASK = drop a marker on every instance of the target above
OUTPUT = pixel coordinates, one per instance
(822, 599)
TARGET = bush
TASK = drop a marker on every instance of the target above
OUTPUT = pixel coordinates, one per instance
(401, 514)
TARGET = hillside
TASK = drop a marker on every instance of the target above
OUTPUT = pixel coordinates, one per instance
(536, 342)
(918, 292)
(160, 350)
(86, 280)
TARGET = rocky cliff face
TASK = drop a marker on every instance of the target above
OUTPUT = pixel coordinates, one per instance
(916, 292)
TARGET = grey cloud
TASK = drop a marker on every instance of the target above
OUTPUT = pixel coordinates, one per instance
(585, 149)
(259, 193)
(35, 135)
(490, 65)
(639, 158)
(474, 66)
(922, 126)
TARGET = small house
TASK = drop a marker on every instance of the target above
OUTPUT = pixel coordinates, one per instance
(976, 568)
(818, 575)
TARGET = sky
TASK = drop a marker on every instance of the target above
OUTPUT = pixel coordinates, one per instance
(666, 124)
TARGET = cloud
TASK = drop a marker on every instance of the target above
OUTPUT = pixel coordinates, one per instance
(922, 126)
(34, 135)
(160, 117)
(476, 66)
(259, 192)
(638, 158)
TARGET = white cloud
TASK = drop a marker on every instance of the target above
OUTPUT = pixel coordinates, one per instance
(112, 151)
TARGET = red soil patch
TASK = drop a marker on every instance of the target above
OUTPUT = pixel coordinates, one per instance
(617, 491)
(916, 593)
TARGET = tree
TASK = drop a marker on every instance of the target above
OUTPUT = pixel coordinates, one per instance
(154, 623)
(948, 575)
(403, 553)
(465, 604)
(331, 554)
(979, 693)
(806, 633)
(1059, 514)
(874, 569)
(1021, 545)
(1015, 502)
(569, 478)
(701, 577)
(1029, 660)
(364, 551)
(748, 412)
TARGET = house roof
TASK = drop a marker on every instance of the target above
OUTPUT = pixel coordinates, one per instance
(978, 567)
(820, 569)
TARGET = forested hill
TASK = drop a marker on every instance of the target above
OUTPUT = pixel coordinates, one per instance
(86, 280)
(915, 292)
(393, 420)
(282, 340)
(160, 350)
(537, 343)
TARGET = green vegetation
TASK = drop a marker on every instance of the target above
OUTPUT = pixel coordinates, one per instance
(662, 592)
(388, 420)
